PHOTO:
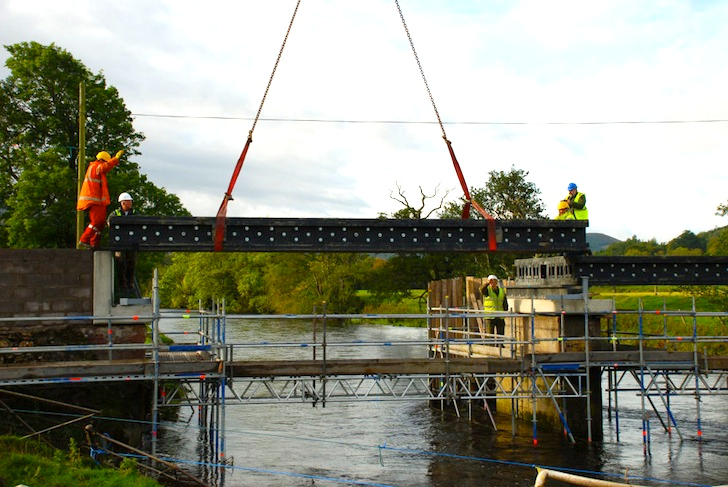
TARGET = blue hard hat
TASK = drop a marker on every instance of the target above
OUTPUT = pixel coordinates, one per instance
(571, 186)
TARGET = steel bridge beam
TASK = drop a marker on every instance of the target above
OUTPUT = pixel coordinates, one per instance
(670, 269)
(195, 234)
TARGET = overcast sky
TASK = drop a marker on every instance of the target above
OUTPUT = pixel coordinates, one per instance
(628, 99)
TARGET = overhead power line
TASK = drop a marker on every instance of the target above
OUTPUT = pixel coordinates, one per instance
(404, 122)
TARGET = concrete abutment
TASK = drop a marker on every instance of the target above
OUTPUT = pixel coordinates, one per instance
(53, 298)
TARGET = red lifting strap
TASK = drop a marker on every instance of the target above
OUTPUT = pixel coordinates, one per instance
(469, 201)
(222, 212)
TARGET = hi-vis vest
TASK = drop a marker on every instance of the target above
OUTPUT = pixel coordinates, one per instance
(493, 302)
(582, 214)
(120, 212)
(95, 189)
(568, 215)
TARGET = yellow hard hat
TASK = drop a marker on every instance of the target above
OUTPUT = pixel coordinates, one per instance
(103, 156)
(563, 205)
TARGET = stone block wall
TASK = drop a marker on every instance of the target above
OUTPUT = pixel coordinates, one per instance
(46, 282)
(54, 283)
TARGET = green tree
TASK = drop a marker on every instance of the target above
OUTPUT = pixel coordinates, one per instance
(636, 247)
(203, 277)
(252, 282)
(687, 243)
(39, 112)
(296, 283)
(506, 196)
(722, 209)
(394, 278)
(41, 204)
(718, 244)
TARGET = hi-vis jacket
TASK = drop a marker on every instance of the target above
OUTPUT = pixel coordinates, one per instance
(95, 189)
(577, 204)
(493, 301)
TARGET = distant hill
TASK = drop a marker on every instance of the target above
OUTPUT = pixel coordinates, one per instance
(599, 241)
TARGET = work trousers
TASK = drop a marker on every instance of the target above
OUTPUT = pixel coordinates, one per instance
(97, 217)
(497, 326)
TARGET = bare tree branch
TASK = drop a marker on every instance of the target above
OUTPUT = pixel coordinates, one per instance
(410, 211)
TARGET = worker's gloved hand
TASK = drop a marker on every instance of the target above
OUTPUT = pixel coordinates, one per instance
(119, 154)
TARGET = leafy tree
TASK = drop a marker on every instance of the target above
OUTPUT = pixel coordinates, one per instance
(203, 277)
(718, 244)
(39, 112)
(722, 209)
(299, 282)
(265, 283)
(393, 279)
(506, 196)
(41, 205)
(687, 244)
(635, 246)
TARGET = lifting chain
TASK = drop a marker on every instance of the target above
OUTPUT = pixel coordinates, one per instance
(270, 80)
(422, 72)
(220, 225)
(468, 199)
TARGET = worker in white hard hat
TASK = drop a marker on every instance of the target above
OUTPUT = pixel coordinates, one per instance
(494, 299)
(125, 260)
(126, 203)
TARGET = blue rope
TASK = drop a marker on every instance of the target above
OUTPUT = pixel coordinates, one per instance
(380, 449)
(93, 453)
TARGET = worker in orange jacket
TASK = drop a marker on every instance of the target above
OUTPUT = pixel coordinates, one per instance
(94, 197)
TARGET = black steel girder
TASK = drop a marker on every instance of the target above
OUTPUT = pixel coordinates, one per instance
(196, 234)
(669, 269)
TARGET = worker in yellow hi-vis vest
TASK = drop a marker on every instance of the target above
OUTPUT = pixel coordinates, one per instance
(494, 299)
(577, 203)
(565, 213)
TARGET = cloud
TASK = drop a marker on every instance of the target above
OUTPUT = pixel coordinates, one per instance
(516, 84)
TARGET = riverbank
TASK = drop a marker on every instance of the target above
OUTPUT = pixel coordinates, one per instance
(32, 462)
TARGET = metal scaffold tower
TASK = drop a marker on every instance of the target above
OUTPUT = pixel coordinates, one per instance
(525, 371)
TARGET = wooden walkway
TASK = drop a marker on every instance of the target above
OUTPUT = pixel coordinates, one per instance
(192, 365)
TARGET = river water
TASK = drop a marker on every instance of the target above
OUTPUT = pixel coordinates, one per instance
(403, 443)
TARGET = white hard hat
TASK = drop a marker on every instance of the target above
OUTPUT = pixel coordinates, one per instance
(490, 277)
(125, 197)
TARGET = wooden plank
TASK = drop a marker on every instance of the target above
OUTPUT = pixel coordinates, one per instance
(96, 368)
(64, 371)
(627, 358)
(478, 305)
(358, 367)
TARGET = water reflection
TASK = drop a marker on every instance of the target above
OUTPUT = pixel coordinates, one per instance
(411, 444)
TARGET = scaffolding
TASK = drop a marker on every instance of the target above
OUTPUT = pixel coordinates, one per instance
(204, 375)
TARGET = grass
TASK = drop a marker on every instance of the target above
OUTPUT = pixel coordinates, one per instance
(409, 305)
(650, 298)
(31, 462)
(662, 330)
(667, 332)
